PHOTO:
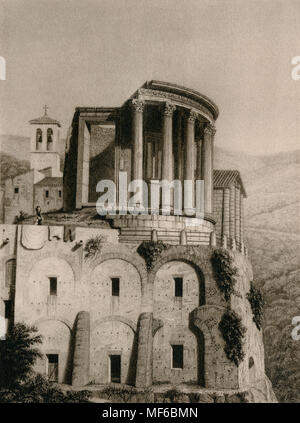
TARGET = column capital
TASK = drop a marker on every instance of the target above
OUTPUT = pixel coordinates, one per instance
(192, 116)
(169, 109)
(210, 129)
(138, 105)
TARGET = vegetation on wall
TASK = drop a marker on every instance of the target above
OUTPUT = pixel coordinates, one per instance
(224, 271)
(151, 251)
(20, 217)
(93, 246)
(233, 333)
(257, 302)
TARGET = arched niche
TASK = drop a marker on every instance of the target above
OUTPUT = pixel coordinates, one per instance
(113, 337)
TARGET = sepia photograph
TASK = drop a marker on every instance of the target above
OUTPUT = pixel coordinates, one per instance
(156, 145)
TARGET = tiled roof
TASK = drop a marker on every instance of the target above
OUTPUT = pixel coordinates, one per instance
(50, 182)
(45, 120)
(225, 178)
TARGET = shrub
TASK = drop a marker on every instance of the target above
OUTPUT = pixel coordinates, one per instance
(124, 393)
(151, 251)
(18, 383)
(37, 389)
(20, 217)
(18, 353)
(224, 271)
(93, 246)
(233, 333)
(257, 302)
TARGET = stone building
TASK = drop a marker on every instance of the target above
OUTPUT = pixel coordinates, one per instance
(43, 184)
(108, 312)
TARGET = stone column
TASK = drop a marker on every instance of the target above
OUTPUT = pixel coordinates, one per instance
(149, 162)
(242, 218)
(167, 165)
(83, 157)
(137, 134)
(167, 148)
(226, 197)
(180, 151)
(237, 214)
(199, 159)
(232, 212)
(207, 167)
(189, 170)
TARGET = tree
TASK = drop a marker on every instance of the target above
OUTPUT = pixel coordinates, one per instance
(18, 353)
(18, 382)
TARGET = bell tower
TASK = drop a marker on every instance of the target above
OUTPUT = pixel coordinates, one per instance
(44, 144)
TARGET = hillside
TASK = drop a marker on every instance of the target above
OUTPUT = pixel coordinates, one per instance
(272, 220)
(15, 145)
(19, 146)
(10, 166)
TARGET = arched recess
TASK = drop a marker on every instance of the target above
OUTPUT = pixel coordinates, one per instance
(113, 335)
(131, 287)
(192, 342)
(183, 257)
(56, 340)
(206, 319)
(200, 355)
(4, 271)
(37, 288)
(134, 259)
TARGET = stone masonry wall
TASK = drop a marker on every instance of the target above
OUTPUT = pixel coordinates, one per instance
(85, 284)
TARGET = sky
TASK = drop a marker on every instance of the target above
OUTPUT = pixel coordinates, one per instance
(69, 53)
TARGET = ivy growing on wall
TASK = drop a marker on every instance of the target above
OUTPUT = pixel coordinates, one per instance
(257, 302)
(233, 333)
(224, 271)
(151, 251)
(93, 246)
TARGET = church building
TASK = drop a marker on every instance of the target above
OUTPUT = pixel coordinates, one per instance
(42, 185)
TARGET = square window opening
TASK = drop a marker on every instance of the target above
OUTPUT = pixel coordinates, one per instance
(16, 190)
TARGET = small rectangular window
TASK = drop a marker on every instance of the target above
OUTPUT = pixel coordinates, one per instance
(7, 311)
(115, 287)
(52, 367)
(47, 193)
(177, 356)
(59, 193)
(53, 286)
(178, 286)
(16, 190)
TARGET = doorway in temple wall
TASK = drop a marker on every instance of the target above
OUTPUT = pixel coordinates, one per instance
(115, 368)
